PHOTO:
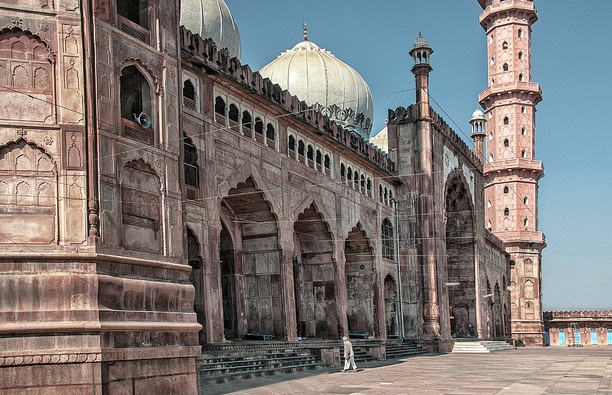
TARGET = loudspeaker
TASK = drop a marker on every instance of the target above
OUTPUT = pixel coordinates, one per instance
(143, 119)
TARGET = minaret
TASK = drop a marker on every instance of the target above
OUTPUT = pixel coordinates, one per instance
(511, 170)
(421, 53)
(479, 132)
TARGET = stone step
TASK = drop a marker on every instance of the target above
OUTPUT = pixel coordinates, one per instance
(484, 346)
(254, 362)
(265, 362)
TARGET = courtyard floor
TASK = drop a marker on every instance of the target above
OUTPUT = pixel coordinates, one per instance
(525, 371)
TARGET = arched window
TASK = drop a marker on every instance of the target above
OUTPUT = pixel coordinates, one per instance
(526, 200)
(291, 146)
(520, 33)
(524, 131)
(220, 109)
(381, 195)
(301, 148)
(505, 45)
(505, 66)
(310, 155)
(356, 179)
(319, 160)
(506, 189)
(220, 105)
(526, 222)
(506, 211)
(327, 164)
(258, 126)
(349, 175)
(520, 55)
(135, 93)
(506, 121)
(234, 113)
(492, 61)
(520, 77)
(189, 95)
(342, 172)
(489, 204)
(369, 187)
(271, 135)
(506, 143)
(247, 124)
(388, 251)
(489, 225)
(523, 154)
(135, 11)
(192, 169)
(136, 106)
(363, 184)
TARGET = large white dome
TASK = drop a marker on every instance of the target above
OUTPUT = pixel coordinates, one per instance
(212, 19)
(322, 80)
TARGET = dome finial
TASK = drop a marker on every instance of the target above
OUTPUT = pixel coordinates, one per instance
(305, 31)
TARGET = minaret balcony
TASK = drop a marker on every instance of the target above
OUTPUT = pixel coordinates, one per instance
(515, 165)
(501, 9)
(512, 89)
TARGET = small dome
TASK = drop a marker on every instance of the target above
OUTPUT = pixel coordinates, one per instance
(478, 115)
(421, 42)
(212, 19)
(322, 80)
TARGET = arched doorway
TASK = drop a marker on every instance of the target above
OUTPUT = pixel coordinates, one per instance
(250, 264)
(460, 258)
(315, 277)
(360, 283)
(195, 277)
(228, 284)
(391, 308)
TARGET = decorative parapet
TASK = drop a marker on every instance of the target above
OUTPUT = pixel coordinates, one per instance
(577, 315)
(411, 114)
(207, 54)
(496, 241)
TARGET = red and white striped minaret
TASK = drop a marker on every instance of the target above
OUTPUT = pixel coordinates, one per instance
(511, 169)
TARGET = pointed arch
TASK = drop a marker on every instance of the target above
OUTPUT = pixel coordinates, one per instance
(360, 276)
(250, 264)
(460, 255)
(315, 276)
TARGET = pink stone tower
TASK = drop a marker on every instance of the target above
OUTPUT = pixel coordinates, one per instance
(511, 170)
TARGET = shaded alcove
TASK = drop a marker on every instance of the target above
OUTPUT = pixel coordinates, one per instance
(391, 306)
(360, 283)
(315, 277)
(460, 258)
(196, 278)
(250, 264)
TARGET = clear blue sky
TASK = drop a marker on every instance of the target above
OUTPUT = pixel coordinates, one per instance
(572, 61)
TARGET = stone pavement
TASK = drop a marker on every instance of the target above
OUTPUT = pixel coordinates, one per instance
(525, 371)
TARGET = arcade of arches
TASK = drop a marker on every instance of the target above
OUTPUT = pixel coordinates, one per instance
(330, 298)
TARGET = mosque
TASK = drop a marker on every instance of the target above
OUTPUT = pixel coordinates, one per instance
(159, 197)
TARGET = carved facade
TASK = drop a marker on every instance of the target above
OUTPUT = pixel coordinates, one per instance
(157, 197)
(578, 328)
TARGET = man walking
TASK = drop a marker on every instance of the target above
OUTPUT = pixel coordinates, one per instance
(349, 356)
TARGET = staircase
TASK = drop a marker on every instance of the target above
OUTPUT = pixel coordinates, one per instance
(252, 363)
(484, 346)
(396, 349)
